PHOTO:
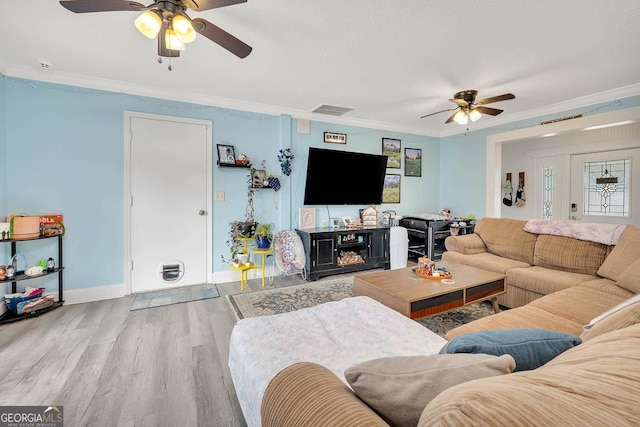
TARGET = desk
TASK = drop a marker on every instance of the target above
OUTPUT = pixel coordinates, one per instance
(243, 268)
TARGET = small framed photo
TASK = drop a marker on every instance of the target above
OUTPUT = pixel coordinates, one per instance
(258, 177)
(335, 223)
(391, 149)
(347, 221)
(391, 188)
(226, 154)
(335, 138)
(412, 162)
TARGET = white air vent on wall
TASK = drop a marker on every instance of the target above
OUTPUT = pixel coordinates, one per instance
(332, 110)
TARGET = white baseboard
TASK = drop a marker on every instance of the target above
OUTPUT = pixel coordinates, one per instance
(76, 296)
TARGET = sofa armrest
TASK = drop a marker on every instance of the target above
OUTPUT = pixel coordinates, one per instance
(308, 394)
(467, 244)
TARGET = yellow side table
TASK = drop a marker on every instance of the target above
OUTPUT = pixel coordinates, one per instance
(245, 241)
(263, 253)
(243, 269)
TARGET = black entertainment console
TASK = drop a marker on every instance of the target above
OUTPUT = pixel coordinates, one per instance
(338, 251)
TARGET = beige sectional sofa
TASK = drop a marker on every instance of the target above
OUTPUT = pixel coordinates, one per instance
(558, 283)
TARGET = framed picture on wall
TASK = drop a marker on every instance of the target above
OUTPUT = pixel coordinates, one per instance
(226, 154)
(391, 149)
(412, 162)
(335, 138)
(391, 188)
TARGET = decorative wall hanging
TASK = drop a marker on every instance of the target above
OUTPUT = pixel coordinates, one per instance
(226, 154)
(391, 189)
(520, 197)
(507, 190)
(335, 138)
(412, 162)
(391, 149)
(285, 158)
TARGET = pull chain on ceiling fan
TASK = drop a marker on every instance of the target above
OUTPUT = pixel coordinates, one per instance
(470, 109)
(168, 20)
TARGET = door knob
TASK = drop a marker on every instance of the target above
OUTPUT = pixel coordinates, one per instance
(202, 212)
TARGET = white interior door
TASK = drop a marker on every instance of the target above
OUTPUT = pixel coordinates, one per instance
(608, 202)
(548, 188)
(169, 190)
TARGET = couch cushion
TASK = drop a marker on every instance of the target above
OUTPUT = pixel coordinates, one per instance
(567, 254)
(625, 253)
(521, 317)
(630, 278)
(615, 319)
(399, 388)
(505, 237)
(578, 304)
(608, 286)
(531, 348)
(545, 280)
(485, 261)
(306, 394)
(593, 384)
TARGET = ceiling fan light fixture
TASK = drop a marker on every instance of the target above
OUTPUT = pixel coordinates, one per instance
(183, 28)
(474, 115)
(461, 117)
(149, 24)
(172, 41)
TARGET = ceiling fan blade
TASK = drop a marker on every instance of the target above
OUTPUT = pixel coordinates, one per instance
(221, 37)
(438, 112)
(162, 43)
(488, 110)
(498, 98)
(200, 5)
(460, 102)
(450, 119)
(84, 6)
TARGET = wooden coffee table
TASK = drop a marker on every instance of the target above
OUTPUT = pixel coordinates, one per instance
(415, 297)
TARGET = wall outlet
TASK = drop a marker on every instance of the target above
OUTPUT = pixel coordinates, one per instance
(219, 196)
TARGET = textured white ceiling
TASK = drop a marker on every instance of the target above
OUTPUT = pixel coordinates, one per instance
(391, 61)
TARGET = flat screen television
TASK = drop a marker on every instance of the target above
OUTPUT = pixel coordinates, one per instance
(344, 178)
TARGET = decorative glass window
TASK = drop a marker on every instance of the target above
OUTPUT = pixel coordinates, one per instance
(606, 188)
(547, 192)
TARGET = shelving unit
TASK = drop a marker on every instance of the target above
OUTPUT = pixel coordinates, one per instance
(427, 236)
(10, 317)
(232, 165)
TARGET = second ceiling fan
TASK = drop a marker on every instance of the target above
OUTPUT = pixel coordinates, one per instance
(470, 109)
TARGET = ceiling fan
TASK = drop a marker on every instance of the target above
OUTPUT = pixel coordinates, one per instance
(168, 20)
(469, 108)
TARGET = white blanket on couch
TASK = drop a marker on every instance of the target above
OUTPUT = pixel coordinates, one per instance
(336, 334)
(607, 234)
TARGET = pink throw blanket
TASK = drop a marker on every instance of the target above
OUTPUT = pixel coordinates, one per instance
(607, 234)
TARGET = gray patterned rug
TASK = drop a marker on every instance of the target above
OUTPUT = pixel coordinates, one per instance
(174, 296)
(291, 298)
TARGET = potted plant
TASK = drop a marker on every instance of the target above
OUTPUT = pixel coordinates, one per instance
(264, 236)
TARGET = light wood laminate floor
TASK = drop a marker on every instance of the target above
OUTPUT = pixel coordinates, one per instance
(109, 366)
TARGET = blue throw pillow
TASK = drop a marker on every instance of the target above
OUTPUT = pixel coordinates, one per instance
(531, 348)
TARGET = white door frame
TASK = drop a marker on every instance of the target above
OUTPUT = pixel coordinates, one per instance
(128, 115)
(494, 146)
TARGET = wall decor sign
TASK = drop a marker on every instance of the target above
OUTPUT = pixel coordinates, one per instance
(391, 188)
(226, 154)
(391, 149)
(412, 162)
(335, 138)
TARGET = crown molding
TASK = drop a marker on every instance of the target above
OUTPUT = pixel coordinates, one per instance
(584, 101)
(54, 76)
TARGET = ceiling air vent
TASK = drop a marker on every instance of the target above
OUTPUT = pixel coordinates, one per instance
(331, 110)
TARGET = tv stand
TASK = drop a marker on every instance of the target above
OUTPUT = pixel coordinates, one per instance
(338, 251)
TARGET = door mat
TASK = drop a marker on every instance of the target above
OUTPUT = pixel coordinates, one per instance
(174, 296)
(291, 298)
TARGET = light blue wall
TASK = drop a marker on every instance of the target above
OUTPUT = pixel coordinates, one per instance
(463, 175)
(68, 157)
(3, 150)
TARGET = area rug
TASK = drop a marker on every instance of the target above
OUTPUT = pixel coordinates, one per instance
(291, 298)
(174, 296)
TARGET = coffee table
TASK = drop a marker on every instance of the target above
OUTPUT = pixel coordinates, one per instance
(416, 297)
